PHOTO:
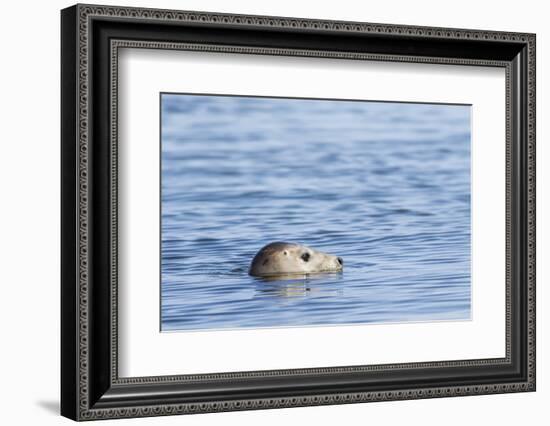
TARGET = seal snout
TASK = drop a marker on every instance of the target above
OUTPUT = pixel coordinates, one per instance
(340, 261)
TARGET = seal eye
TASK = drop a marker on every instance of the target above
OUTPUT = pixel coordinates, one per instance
(305, 257)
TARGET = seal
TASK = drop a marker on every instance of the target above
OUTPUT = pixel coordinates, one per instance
(282, 258)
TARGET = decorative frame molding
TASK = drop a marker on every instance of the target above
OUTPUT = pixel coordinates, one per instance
(91, 388)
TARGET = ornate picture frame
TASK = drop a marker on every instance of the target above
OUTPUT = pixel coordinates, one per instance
(91, 38)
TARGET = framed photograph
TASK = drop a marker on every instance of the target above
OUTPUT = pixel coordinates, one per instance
(263, 212)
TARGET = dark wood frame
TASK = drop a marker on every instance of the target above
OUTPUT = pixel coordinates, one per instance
(90, 386)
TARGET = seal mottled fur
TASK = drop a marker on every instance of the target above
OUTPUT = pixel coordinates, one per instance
(282, 258)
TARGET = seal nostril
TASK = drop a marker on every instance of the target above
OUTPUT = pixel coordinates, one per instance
(340, 260)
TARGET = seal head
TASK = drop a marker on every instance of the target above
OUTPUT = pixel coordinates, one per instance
(281, 258)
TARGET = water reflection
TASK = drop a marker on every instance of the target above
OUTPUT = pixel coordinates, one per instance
(300, 285)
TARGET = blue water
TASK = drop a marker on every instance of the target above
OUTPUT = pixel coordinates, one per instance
(386, 186)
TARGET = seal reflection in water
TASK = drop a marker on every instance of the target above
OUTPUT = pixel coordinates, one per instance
(280, 259)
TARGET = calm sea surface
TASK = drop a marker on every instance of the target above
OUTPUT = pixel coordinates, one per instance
(386, 186)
